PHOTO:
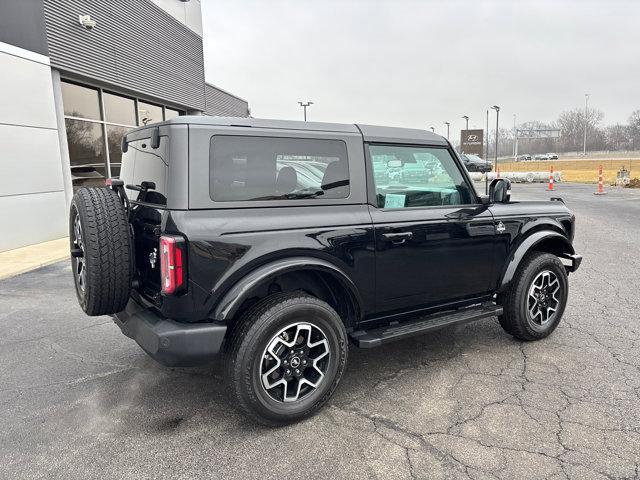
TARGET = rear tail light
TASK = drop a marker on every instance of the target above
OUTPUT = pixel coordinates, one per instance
(173, 267)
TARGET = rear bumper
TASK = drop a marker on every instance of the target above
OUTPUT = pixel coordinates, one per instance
(168, 342)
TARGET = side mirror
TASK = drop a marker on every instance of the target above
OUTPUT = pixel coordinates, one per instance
(500, 190)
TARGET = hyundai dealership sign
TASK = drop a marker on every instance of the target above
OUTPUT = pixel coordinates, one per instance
(472, 141)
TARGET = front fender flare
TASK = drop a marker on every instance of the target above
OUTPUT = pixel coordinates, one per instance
(241, 290)
(526, 246)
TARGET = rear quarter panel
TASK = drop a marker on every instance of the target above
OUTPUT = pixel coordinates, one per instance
(227, 244)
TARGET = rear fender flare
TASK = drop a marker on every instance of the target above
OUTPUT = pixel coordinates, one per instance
(228, 306)
(528, 244)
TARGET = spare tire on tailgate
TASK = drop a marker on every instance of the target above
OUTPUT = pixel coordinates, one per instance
(101, 250)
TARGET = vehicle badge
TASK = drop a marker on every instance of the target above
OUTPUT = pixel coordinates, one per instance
(500, 228)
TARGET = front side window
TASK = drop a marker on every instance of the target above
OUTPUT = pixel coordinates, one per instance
(406, 176)
(272, 168)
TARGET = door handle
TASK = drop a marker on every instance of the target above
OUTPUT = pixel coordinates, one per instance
(458, 216)
(398, 238)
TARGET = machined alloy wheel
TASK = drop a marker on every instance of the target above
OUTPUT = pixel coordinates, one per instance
(284, 357)
(543, 301)
(536, 298)
(295, 362)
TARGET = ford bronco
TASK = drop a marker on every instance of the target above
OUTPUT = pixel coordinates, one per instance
(277, 243)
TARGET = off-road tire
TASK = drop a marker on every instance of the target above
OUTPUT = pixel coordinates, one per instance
(107, 250)
(515, 320)
(247, 340)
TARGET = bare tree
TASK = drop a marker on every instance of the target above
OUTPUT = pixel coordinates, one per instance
(634, 129)
(618, 137)
(571, 124)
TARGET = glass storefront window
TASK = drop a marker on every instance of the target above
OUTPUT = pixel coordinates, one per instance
(89, 150)
(86, 153)
(149, 113)
(170, 113)
(114, 141)
(81, 101)
(119, 109)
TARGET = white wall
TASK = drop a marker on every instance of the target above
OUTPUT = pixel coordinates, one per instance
(188, 13)
(32, 197)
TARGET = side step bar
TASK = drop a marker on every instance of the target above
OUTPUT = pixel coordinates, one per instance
(430, 323)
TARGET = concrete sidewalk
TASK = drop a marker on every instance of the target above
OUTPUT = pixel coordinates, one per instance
(24, 259)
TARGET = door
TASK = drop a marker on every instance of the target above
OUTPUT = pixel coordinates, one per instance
(434, 239)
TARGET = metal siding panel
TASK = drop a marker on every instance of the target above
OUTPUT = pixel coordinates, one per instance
(22, 25)
(135, 45)
(223, 104)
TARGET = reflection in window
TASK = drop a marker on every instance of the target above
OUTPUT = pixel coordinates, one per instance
(86, 153)
(170, 113)
(80, 101)
(417, 177)
(119, 109)
(143, 163)
(148, 113)
(114, 139)
(269, 168)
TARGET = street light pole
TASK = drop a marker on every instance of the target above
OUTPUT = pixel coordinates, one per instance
(447, 124)
(586, 122)
(497, 109)
(304, 105)
(486, 157)
(514, 137)
(467, 120)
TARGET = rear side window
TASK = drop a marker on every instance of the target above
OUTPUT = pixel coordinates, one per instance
(276, 168)
(141, 163)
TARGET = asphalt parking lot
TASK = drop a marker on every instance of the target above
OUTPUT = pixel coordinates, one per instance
(78, 399)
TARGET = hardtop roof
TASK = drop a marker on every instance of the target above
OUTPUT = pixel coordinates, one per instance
(370, 133)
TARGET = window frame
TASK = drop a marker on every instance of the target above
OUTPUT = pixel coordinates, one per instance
(199, 141)
(371, 185)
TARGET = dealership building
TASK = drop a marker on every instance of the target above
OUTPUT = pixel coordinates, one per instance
(75, 75)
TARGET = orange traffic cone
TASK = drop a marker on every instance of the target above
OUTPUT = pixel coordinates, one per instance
(551, 179)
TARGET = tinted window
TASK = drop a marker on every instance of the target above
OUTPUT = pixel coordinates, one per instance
(149, 113)
(119, 109)
(417, 177)
(267, 168)
(80, 101)
(141, 163)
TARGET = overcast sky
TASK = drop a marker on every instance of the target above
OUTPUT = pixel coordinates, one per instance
(421, 63)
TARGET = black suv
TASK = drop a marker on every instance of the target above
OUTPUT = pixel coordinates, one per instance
(276, 243)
